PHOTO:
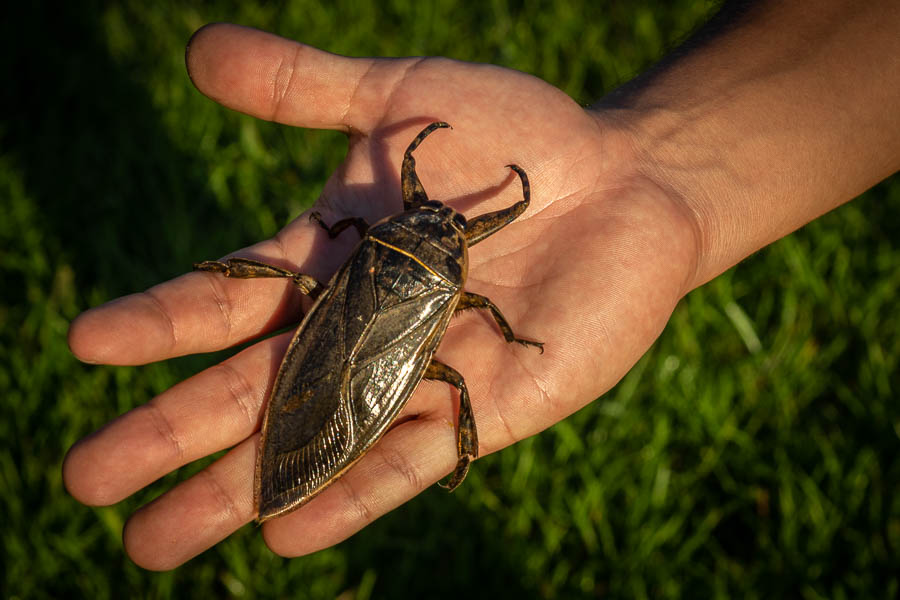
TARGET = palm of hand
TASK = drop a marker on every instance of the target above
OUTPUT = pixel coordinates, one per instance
(592, 269)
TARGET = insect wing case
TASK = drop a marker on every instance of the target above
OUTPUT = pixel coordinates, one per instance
(358, 356)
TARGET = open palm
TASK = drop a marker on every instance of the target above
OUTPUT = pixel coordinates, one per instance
(592, 269)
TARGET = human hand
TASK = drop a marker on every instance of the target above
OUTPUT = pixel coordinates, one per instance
(592, 269)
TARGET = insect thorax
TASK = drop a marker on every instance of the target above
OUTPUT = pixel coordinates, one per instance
(427, 238)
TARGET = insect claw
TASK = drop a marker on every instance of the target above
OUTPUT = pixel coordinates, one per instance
(462, 468)
(539, 345)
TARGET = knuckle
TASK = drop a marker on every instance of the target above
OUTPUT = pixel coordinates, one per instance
(224, 308)
(166, 316)
(224, 500)
(165, 430)
(239, 391)
(283, 82)
(401, 465)
(361, 510)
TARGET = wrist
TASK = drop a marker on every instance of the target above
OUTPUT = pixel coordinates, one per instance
(766, 123)
(635, 182)
(682, 158)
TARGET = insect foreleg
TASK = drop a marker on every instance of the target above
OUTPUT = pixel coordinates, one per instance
(245, 268)
(333, 230)
(413, 192)
(467, 437)
(490, 223)
(470, 300)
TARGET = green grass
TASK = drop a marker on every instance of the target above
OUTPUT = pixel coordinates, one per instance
(751, 453)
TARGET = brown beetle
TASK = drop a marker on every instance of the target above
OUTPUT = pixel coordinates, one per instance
(368, 340)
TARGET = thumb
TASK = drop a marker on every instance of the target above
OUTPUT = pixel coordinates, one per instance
(273, 78)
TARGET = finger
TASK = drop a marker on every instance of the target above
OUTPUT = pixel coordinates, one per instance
(195, 514)
(408, 459)
(212, 410)
(274, 78)
(200, 312)
(192, 313)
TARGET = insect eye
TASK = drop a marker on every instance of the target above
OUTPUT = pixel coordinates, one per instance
(459, 220)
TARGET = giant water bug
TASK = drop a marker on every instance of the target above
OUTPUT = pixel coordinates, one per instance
(368, 340)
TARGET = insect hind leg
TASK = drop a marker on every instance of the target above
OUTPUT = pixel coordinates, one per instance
(467, 436)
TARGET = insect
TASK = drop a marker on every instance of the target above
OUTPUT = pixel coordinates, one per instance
(368, 340)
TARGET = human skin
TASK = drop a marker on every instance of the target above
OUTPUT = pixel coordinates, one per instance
(772, 117)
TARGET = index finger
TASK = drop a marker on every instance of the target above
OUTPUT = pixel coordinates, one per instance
(196, 312)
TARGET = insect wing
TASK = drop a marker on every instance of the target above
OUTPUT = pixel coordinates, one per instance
(350, 368)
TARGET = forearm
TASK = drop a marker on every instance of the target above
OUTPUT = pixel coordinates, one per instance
(769, 119)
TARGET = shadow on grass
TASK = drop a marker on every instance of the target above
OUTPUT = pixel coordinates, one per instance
(115, 197)
(436, 547)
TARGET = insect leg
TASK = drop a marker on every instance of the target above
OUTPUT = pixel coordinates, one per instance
(245, 268)
(358, 222)
(467, 439)
(413, 192)
(490, 223)
(470, 300)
